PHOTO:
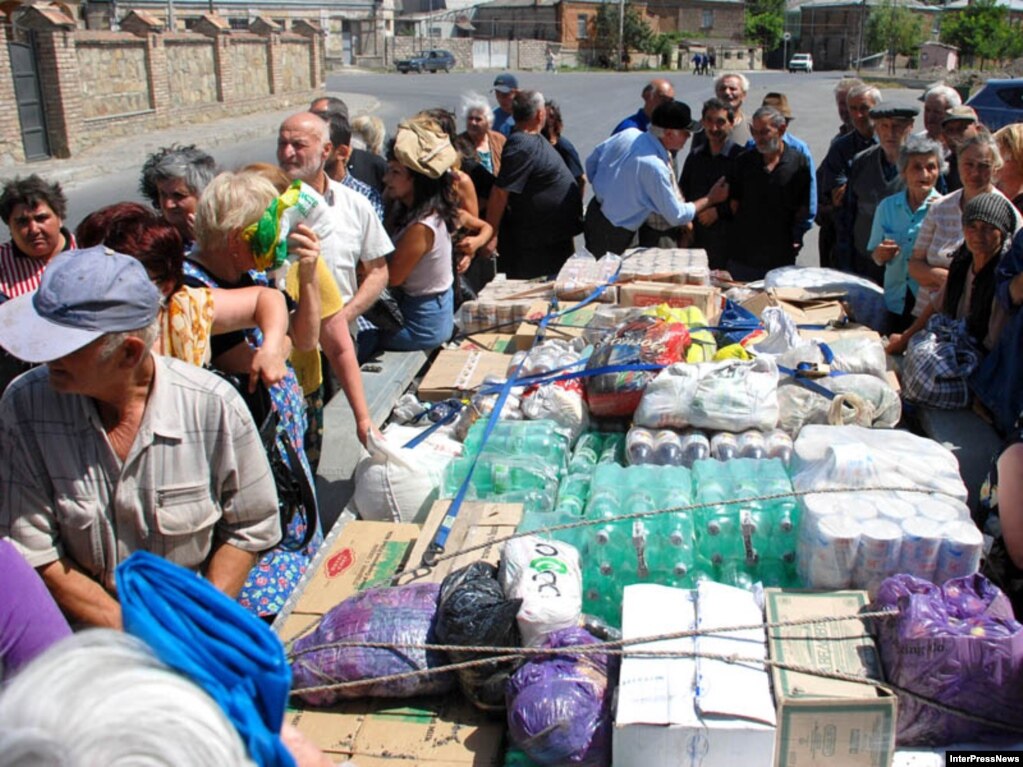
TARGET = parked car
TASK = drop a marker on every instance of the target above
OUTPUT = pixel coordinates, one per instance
(999, 103)
(428, 61)
(801, 62)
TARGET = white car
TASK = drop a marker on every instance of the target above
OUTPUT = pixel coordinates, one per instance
(801, 62)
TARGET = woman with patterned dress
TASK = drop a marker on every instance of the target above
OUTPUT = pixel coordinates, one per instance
(224, 259)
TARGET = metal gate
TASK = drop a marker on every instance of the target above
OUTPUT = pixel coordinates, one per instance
(28, 95)
(490, 54)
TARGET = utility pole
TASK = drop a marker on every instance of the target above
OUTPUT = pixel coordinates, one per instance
(859, 44)
(621, 34)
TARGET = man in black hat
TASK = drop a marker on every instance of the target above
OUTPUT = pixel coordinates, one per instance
(633, 180)
(770, 200)
(873, 175)
(506, 85)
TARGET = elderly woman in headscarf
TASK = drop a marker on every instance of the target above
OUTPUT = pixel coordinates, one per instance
(173, 178)
(969, 293)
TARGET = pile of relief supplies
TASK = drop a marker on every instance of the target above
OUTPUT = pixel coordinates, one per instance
(697, 451)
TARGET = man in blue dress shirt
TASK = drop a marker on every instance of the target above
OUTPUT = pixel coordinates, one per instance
(633, 179)
(655, 93)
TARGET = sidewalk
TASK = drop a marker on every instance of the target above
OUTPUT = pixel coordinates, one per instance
(129, 152)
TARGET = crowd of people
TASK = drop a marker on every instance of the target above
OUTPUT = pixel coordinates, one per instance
(137, 350)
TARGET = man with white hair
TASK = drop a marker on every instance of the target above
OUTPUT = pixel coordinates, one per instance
(731, 88)
(833, 173)
(358, 236)
(937, 101)
(109, 448)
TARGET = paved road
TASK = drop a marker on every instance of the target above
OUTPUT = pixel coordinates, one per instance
(592, 103)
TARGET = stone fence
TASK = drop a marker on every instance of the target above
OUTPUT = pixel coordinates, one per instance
(96, 85)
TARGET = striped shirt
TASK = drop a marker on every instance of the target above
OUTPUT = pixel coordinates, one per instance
(196, 475)
(19, 273)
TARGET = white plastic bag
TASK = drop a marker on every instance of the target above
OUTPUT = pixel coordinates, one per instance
(855, 353)
(731, 395)
(860, 399)
(545, 575)
(396, 484)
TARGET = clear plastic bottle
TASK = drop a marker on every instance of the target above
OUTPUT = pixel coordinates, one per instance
(778, 444)
(751, 444)
(587, 452)
(639, 446)
(695, 447)
(667, 448)
(723, 446)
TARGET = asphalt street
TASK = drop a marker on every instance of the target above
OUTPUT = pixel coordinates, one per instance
(591, 103)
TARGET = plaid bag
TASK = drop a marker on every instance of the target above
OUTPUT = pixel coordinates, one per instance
(938, 363)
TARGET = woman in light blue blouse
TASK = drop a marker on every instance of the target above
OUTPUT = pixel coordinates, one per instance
(897, 222)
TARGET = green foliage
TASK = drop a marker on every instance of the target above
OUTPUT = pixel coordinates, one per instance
(983, 30)
(765, 22)
(665, 44)
(636, 31)
(895, 29)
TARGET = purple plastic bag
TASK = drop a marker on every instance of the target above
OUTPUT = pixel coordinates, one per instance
(559, 707)
(958, 644)
(405, 614)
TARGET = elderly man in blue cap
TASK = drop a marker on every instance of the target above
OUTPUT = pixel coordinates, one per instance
(109, 448)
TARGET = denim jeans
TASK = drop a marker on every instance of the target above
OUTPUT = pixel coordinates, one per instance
(429, 322)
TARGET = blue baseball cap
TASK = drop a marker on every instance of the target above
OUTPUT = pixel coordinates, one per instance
(506, 83)
(83, 295)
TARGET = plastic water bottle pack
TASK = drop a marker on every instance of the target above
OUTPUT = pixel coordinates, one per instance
(667, 447)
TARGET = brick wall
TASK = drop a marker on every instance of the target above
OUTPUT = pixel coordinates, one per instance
(11, 149)
(251, 74)
(101, 84)
(191, 71)
(726, 20)
(295, 61)
(114, 74)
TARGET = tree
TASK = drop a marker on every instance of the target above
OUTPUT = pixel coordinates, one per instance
(895, 29)
(636, 31)
(765, 22)
(983, 30)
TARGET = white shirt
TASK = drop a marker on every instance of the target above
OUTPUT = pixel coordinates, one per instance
(358, 235)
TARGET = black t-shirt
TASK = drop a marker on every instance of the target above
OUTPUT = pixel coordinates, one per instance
(544, 196)
(568, 153)
(771, 207)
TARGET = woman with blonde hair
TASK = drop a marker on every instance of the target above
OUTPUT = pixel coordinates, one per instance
(224, 258)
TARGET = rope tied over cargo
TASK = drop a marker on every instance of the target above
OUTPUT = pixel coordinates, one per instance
(627, 648)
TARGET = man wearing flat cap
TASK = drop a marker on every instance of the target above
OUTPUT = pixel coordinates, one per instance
(873, 175)
(958, 124)
(109, 448)
(633, 179)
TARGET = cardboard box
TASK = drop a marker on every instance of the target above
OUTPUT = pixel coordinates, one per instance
(571, 325)
(805, 307)
(421, 732)
(478, 523)
(703, 297)
(826, 722)
(503, 343)
(455, 372)
(686, 712)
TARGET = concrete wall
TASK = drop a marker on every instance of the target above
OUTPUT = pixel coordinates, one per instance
(101, 84)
